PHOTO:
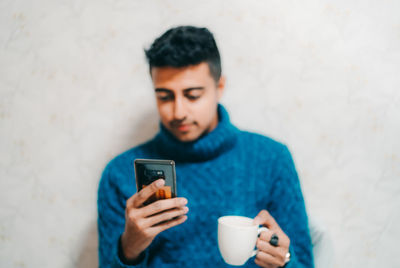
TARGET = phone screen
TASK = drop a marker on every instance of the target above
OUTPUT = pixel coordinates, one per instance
(150, 170)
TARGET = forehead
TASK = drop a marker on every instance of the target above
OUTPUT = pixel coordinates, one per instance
(183, 77)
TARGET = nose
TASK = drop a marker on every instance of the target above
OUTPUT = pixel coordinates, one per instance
(179, 109)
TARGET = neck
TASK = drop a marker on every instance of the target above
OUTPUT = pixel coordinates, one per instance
(217, 140)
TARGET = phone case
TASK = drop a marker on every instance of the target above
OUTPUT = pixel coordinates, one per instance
(149, 170)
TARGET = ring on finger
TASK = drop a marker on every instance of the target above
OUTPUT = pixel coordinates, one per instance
(287, 257)
(274, 240)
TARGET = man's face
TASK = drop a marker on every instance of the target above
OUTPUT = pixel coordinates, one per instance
(187, 99)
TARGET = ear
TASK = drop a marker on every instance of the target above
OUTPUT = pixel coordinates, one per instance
(221, 87)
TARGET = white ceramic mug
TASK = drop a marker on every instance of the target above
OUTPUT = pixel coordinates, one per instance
(237, 237)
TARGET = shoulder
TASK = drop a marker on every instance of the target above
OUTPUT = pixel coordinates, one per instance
(120, 171)
(261, 143)
(264, 150)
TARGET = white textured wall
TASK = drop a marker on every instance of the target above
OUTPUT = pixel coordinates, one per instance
(322, 76)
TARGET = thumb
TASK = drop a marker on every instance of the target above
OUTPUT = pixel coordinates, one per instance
(264, 218)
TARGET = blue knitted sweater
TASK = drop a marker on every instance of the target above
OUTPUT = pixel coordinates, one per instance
(226, 172)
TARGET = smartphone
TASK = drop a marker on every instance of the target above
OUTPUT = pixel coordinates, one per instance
(149, 170)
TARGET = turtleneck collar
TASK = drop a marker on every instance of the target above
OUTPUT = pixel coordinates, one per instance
(208, 146)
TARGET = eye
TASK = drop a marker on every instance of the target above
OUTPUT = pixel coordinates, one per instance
(192, 97)
(166, 97)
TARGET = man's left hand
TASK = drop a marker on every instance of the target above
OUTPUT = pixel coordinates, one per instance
(268, 255)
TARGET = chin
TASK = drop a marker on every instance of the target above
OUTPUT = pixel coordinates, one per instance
(187, 137)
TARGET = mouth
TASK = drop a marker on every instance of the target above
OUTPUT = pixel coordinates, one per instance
(183, 127)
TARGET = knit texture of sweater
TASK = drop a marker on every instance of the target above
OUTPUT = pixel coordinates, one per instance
(225, 172)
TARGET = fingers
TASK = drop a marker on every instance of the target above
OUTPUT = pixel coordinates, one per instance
(269, 255)
(163, 205)
(166, 225)
(264, 259)
(264, 218)
(139, 198)
(278, 253)
(165, 216)
(282, 242)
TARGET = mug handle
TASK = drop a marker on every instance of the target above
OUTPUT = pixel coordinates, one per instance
(260, 230)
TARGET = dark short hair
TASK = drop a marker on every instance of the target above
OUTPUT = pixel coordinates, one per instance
(184, 46)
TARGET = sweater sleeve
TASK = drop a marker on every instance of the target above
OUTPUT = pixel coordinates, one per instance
(288, 208)
(111, 222)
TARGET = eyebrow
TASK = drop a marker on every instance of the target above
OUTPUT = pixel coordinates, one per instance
(161, 89)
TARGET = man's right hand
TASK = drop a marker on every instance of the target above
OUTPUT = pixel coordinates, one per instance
(143, 223)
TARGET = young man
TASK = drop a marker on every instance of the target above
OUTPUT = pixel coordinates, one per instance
(221, 170)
